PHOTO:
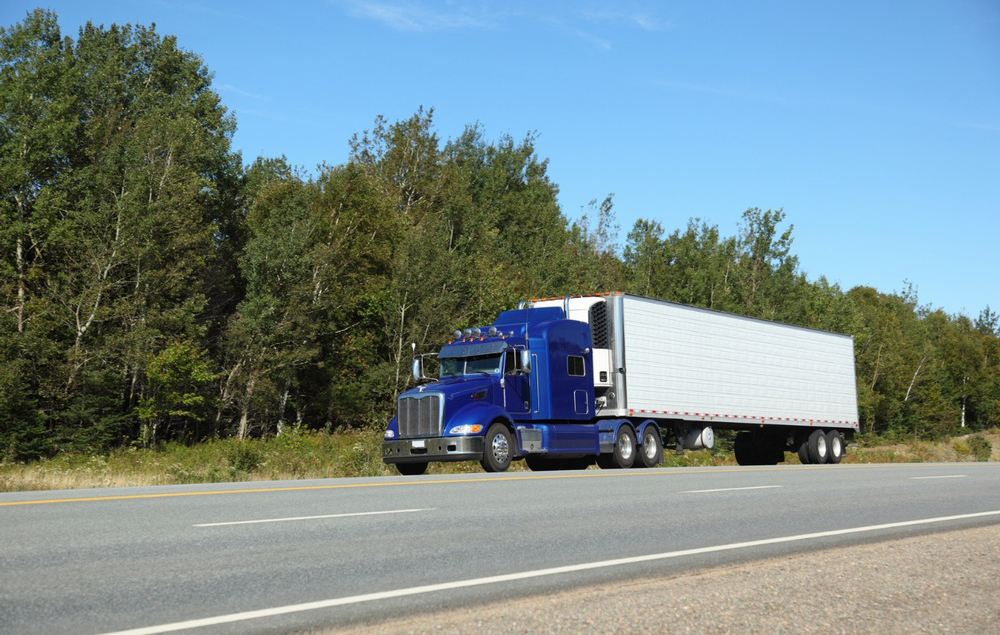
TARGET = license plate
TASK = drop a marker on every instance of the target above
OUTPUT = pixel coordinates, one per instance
(417, 444)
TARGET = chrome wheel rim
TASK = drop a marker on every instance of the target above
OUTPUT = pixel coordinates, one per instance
(625, 448)
(649, 446)
(500, 448)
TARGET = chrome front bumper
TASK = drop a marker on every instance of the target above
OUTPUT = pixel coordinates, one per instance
(433, 449)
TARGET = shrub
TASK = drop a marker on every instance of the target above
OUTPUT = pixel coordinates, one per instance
(981, 448)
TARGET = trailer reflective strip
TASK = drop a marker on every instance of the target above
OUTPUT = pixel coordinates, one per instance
(527, 575)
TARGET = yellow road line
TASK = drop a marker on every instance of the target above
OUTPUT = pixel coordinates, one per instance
(521, 477)
(525, 476)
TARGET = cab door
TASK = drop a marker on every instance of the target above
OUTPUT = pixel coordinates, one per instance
(517, 389)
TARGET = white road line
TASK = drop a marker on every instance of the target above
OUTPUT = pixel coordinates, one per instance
(526, 575)
(285, 520)
(730, 489)
(925, 478)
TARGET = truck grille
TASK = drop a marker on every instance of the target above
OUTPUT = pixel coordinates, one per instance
(420, 416)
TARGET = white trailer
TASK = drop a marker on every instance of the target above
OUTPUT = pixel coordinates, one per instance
(693, 369)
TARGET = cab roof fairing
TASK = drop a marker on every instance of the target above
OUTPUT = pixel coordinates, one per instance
(473, 349)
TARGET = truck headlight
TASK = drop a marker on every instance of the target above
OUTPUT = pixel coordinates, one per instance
(468, 428)
(390, 434)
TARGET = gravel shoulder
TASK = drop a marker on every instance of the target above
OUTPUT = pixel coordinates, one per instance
(937, 583)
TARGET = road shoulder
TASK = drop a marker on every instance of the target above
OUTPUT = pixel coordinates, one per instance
(947, 582)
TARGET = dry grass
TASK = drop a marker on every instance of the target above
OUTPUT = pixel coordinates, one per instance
(357, 453)
(954, 450)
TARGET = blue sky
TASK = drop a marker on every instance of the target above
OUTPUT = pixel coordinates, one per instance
(874, 125)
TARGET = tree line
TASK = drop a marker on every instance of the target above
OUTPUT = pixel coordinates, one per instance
(155, 288)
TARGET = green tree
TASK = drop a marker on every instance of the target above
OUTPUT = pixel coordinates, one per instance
(316, 254)
(117, 198)
(178, 393)
(764, 270)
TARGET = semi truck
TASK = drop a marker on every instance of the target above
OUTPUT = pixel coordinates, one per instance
(613, 378)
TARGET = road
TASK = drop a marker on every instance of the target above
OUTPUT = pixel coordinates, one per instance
(290, 556)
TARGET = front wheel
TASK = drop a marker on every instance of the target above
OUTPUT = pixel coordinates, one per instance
(411, 469)
(498, 449)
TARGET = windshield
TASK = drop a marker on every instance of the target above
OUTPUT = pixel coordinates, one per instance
(453, 366)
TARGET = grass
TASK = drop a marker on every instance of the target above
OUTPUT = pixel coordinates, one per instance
(300, 455)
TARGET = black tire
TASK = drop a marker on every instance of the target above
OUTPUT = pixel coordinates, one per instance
(411, 469)
(819, 451)
(498, 449)
(624, 453)
(650, 451)
(538, 463)
(802, 447)
(834, 446)
(745, 449)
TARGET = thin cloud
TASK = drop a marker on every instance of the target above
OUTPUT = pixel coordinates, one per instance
(590, 38)
(712, 89)
(229, 88)
(643, 20)
(408, 15)
(972, 125)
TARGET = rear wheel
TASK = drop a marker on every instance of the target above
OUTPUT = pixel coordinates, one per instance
(497, 450)
(624, 453)
(819, 452)
(745, 449)
(411, 469)
(651, 449)
(802, 447)
(835, 446)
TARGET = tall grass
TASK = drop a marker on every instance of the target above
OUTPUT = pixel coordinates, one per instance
(300, 455)
(293, 455)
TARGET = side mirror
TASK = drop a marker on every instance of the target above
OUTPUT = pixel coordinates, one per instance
(418, 370)
(526, 361)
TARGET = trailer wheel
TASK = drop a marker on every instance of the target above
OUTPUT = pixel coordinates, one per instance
(819, 452)
(745, 450)
(497, 449)
(835, 446)
(411, 469)
(802, 447)
(651, 450)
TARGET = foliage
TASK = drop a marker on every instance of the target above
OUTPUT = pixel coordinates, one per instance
(155, 291)
(980, 447)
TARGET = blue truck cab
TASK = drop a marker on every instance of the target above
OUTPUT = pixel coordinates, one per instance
(520, 388)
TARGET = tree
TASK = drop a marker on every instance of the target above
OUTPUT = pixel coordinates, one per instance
(124, 173)
(177, 394)
(764, 271)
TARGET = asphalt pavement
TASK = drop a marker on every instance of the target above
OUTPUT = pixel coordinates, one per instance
(300, 556)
